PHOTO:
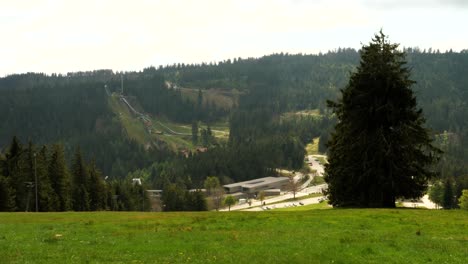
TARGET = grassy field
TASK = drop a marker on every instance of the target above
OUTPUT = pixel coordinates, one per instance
(322, 205)
(317, 180)
(313, 236)
(312, 148)
(132, 125)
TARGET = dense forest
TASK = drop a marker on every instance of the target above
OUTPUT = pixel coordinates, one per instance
(73, 110)
(38, 178)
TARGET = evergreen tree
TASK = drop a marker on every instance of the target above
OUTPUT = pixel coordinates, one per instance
(80, 183)
(47, 197)
(15, 172)
(97, 189)
(140, 198)
(448, 201)
(209, 135)
(436, 193)
(29, 170)
(199, 100)
(195, 132)
(60, 178)
(380, 150)
(204, 137)
(199, 201)
(7, 201)
(173, 198)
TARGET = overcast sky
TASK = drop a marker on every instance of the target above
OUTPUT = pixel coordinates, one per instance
(68, 35)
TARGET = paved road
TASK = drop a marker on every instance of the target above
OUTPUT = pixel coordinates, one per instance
(424, 202)
(282, 197)
(314, 200)
(315, 164)
(287, 195)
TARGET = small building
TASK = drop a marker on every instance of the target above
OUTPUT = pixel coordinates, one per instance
(136, 181)
(256, 185)
(238, 195)
(272, 192)
(198, 190)
(185, 153)
(201, 150)
(154, 193)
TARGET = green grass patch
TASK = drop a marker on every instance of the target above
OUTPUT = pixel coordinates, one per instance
(312, 148)
(132, 125)
(313, 236)
(322, 205)
(321, 160)
(317, 180)
(297, 199)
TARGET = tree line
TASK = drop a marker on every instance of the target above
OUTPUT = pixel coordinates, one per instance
(43, 108)
(79, 187)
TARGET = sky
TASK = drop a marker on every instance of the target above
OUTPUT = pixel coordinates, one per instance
(62, 36)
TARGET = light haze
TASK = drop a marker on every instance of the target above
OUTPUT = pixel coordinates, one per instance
(63, 36)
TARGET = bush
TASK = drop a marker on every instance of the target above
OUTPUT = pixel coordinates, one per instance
(463, 201)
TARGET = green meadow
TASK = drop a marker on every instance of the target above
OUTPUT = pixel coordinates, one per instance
(313, 236)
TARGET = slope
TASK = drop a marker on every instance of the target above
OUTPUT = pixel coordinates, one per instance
(315, 236)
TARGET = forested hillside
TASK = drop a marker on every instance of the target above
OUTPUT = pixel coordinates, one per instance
(283, 82)
(74, 109)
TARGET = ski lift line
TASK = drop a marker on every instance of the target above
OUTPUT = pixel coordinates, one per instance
(172, 131)
(107, 90)
(145, 118)
(130, 106)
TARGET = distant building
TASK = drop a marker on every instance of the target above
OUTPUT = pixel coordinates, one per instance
(154, 193)
(200, 150)
(136, 181)
(185, 153)
(257, 185)
(198, 190)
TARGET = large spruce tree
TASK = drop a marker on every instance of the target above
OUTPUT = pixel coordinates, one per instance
(80, 183)
(380, 149)
(60, 179)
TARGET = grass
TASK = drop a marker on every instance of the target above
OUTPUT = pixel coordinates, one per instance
(317, 180)
(322, 205)
(298, 199)
(176, 142)
(132, 125)
(312, 148)
(313, 236)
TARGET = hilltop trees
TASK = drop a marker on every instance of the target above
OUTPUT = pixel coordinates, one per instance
(380, 149)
